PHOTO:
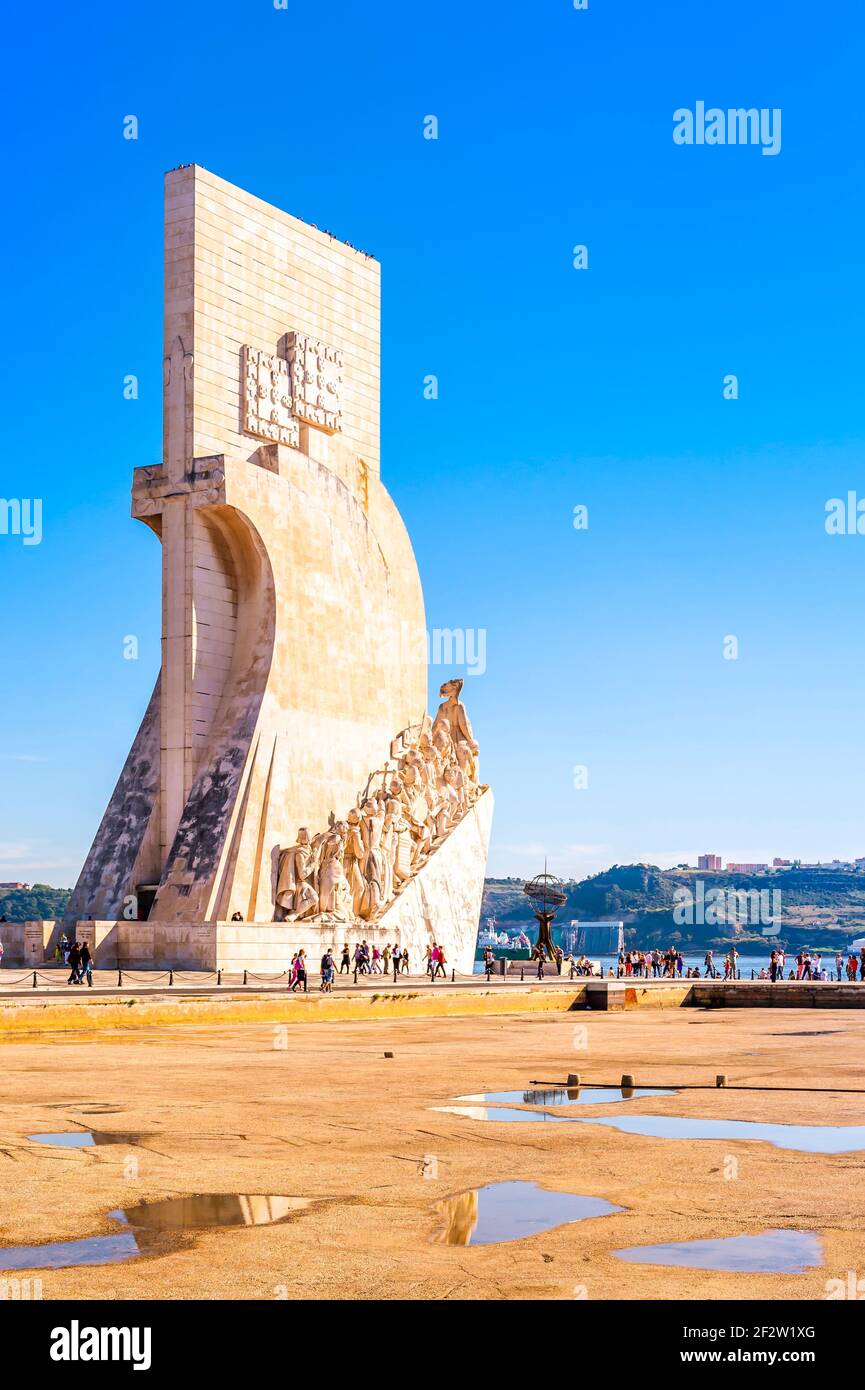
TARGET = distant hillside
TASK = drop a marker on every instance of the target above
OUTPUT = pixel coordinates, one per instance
(29, 904)
(820, 906)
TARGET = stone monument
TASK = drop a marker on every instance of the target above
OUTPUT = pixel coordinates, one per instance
(286, 786)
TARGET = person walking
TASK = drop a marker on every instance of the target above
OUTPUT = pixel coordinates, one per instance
(327, 972)
(86, 966)
(540, 955)
(345, 963)
(74, 961)
(385, 959)
(397, 956)
(404, 962)
(440, 964)
(301, 970)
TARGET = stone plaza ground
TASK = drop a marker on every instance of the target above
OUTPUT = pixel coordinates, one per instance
(318, 1111)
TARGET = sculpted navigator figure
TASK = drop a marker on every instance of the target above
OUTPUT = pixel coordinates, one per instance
(295, 891)
(333, 888)
(374, 866)
(452, 715)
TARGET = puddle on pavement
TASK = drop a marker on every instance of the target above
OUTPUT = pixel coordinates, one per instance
(94, 1250)
(173, 1214)
(771, 1252)
(506, 1211)
(572, 1095)
(815, 1139)
(812, 1139)
(87, 1139)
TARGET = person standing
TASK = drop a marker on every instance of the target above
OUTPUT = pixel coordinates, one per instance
(559, 958)
(404, 962)
(345, 963)
(397, 955)
(385, 959)
(709, 962)
(839, 965)
(540, 955)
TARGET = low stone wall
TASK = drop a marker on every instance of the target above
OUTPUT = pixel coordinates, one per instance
(25, 944)
(613, 995)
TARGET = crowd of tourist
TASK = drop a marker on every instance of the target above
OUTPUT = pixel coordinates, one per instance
(366, 960)
(670, 964)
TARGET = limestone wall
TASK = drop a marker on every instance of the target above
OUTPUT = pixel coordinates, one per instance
(239, 271)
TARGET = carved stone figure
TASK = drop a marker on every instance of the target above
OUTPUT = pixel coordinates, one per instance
(374, 868)
(399, 844)
(333, 890)
(452, 713)
(296, 892)
(353, 859)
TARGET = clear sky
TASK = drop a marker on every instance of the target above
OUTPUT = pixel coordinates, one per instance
(558, 387)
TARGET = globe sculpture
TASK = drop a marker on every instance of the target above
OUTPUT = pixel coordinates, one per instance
(547, 894)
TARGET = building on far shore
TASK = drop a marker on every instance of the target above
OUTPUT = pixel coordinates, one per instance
(709, 861)
(747, 868)
(593, 938)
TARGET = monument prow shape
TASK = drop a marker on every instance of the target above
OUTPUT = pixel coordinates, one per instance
(293, 634)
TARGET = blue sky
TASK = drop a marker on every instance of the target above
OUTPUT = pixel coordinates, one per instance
(557, 387)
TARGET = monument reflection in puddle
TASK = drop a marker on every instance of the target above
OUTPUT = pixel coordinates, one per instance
(770, 1252)
(172, 1214)
(573, 1095)
(507, 1211)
